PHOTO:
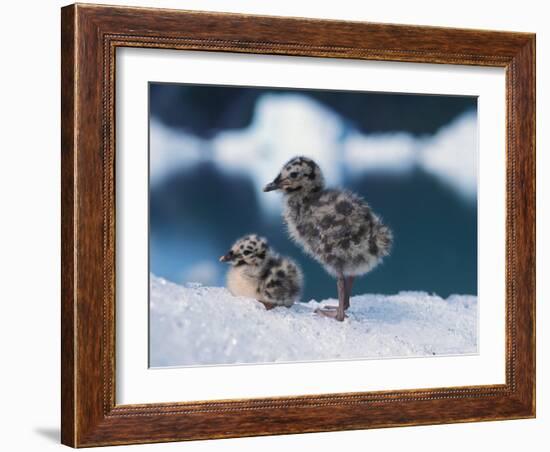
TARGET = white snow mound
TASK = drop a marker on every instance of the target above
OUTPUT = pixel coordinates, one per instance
(195, 325)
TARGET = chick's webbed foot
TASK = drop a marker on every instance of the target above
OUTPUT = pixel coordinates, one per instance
(268, 306)
(337, 312)
(331, 312)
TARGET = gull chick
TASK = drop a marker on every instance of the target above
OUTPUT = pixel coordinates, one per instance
(336, 227)
(258, 272)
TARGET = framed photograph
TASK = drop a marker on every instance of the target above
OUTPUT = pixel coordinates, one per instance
(282, 225)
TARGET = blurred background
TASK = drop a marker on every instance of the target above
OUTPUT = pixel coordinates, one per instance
(412, 157)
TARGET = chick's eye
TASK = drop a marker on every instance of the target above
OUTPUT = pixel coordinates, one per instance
(293, 175)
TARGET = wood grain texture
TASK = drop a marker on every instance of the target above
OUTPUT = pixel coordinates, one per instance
(90, 36)
(68, 147)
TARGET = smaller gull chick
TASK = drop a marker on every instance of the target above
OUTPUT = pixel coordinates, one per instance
(258, 272)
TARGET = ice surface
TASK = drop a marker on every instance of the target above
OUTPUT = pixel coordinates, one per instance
(196, 325)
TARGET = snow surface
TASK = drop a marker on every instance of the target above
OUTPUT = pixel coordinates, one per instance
(196, 325)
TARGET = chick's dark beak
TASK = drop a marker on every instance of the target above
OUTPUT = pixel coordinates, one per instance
(228, 257)
(271, 186)
(275, 185)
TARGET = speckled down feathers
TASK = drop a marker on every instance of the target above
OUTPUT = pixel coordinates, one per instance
(280, 281)
(336, 227)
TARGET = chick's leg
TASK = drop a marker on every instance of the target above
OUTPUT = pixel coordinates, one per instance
(340, 311)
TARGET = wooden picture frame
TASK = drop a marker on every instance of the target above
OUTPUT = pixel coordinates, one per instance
(90, 36)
